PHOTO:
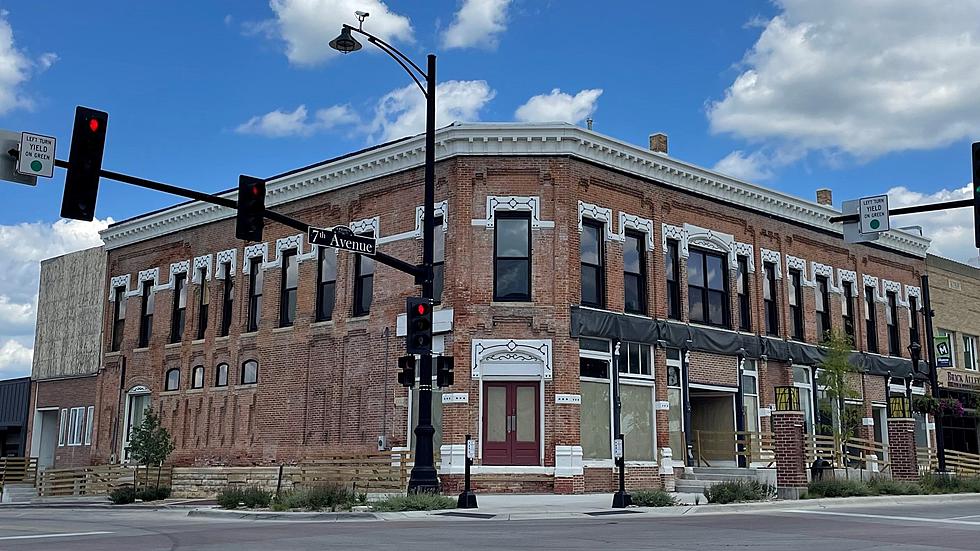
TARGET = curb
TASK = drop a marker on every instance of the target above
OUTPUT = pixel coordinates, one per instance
(267, 515)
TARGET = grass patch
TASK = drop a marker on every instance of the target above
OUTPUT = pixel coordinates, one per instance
(249, 497)
(414, 502)
(933, 483)
(838, 488)
(739, 491)
(929, 483)
(327, 497)
(653, 498)
(127, 494)
(888, 487)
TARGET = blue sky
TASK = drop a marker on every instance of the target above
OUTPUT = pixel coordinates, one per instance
(791, 94)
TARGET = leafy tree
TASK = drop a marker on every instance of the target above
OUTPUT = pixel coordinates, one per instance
(150, 443)
(834, 376)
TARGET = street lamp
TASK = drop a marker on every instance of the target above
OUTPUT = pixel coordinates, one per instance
(424, 478)
(621, 499)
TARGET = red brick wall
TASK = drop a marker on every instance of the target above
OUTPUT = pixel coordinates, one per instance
(901, 449)
(787, 427)
(67, 394)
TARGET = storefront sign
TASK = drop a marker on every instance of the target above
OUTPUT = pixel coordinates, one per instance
(958, 379)
(944, 353)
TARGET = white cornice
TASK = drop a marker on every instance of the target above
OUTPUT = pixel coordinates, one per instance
(492, 139)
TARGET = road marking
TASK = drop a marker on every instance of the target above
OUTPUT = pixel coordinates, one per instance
(967, 516)
(62, 535)
(887, 517)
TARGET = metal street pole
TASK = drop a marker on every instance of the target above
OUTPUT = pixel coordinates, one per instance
(621, 499)
(933, 374)
(424, 478)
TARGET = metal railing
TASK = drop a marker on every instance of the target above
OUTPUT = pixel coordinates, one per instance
(753, 447)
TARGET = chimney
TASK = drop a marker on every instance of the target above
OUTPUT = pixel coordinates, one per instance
(658, 143)
(825, 197)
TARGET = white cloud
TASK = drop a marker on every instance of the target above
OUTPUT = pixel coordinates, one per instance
(401, 112)
(862, 78)
(753, 167)
(951, 230)
(278, 123)
(16, 68)
(559, 107)
(477, 24)
(23, 246)
(15, 359)
(307, 26)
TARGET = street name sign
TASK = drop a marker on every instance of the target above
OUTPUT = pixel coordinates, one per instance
(874, 214)
(341, 237)
(36, 155)
(8, 163)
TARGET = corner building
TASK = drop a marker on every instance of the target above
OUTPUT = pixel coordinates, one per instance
(557, 247)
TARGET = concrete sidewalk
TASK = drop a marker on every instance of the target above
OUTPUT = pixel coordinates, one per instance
(536, 507)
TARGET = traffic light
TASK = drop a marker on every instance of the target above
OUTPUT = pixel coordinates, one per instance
(406, 373)
(251, 208)
(419, 340)
(444, 371)
(976, 194)
(84, 164)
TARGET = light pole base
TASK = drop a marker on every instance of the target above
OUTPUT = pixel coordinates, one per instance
(424, 480)
(621, 500)
(467, 500)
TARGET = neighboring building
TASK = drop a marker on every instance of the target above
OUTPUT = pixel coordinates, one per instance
(554, 244)
(67, 355)
(14, 404)
(955, 295)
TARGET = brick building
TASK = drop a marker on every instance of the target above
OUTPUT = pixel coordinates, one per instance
(955, 289)
(559, 249)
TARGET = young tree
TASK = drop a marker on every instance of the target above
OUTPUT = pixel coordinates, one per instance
(834, 376)
(150, 444)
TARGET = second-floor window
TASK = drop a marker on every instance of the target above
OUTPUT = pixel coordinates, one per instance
(769, 298)
(823, 307)
(914, 315)
(848, 314)
(205, 302)
(871, 319)
(172, 380)
(672, 267)
(707, 288)
(255, 281)
(438, 259)
(146, 314)
(742, 283)
(197, 377)
(287, 288)
(970, 352)
(363, 283)
(221, 375)
(180, 308)
(512, 257)
(118, 317)
(227, 299)
(326, 288)
(891, 319)
(796, 303)
(593, 269)
(635, 273)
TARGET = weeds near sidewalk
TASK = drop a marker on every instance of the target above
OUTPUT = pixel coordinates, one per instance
(326, 497)
(930, 483)
(739, 491)
(414, 502)
(249, 497)
(838, 488)
(933, 483)
(127, 494)
(653, 498)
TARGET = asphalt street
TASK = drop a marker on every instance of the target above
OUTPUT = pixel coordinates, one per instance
(894, 528)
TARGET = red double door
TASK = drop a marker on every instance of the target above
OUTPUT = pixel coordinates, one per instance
(511, 423)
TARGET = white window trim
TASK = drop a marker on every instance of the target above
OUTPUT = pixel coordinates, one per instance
(89, 423)
(62, 426)
(973, 352)
(76, 426)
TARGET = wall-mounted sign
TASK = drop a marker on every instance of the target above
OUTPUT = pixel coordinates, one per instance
(959, 379)
(944, 352)
(661, 405)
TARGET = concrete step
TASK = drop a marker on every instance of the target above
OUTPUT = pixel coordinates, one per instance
(18, 493)
(720, 477)
(691, 486)
(724, 470)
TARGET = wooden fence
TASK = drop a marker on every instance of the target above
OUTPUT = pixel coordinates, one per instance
(18, 469)
(754, 447)
(956, 462)
(98, 480)
(854, 453)
(372, 472)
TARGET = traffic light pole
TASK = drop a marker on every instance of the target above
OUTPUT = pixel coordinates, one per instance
(960, 203)
(415, 271)
(933, 373)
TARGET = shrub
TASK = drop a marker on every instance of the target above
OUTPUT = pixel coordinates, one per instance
(122, 495)
(653, 498)
(837, 488)
(888, 487)
(933, 483)
(738, 491)
(250, 497)
(316, 498)
(414, 502)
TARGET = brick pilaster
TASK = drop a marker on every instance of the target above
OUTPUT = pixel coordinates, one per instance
(901, 449)
(787, 428)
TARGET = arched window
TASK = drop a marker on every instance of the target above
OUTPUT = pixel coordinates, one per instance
(221, 375)
(197, 377)
(173, 379)
(250, 372)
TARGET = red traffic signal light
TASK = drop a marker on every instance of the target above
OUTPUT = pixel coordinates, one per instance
(84, 164)
(422, 309)
(251, 208)
(419, 326)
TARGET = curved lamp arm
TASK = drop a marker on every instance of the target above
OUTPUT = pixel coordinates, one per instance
(410, 67)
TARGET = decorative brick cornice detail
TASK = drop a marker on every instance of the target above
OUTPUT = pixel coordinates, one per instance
(201, 262)
(258, 249)
(599, 214)
(152, 274)
(748, 251)
(767, 255)
(440, 209)
(818, 269)
(637, 223)
(368, 225)
(181, 267)
(118, 281)
(710, 239)
(534, 354)
(530, 204)
(285, 244)
(889, 286)
(796, 263)
(850, 276)
(676, 233)
(227, 256)
(911, 291)
(872, 281)
(503, 139)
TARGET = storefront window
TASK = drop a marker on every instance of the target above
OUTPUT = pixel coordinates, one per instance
(638, 422)
(803, 381)
(750, 396)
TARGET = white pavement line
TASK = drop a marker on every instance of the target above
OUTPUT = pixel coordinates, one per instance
(961, 518)
(885, 517)
(63, 535)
